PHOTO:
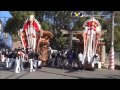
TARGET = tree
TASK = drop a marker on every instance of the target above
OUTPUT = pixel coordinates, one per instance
(12, 26)
(15, 23)
(116, 32)
(117, 38)
(61, 42)
(60, 20)
(46, 26)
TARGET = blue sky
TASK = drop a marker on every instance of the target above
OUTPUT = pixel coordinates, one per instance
(4, 14)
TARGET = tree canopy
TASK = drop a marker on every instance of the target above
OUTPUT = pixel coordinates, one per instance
(56, 20)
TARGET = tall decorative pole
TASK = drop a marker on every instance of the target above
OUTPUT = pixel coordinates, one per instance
(112, 53)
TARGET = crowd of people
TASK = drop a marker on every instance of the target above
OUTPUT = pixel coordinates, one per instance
(66, 59)
(70, 59)
(18, 59)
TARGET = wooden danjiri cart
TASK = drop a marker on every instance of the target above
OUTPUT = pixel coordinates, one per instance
(43, 46)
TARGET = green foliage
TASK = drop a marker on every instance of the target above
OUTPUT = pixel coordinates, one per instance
(15, 23)
(45, 26)
(60, 42)
(12, 26)
(117, 38)
(21, 15)
(79, 24)
(61, 19)
(117, 17)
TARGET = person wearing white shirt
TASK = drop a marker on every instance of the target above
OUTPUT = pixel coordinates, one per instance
(80, 56)
(17, 65)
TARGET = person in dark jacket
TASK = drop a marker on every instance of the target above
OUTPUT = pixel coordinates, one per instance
(7, 59)
(53, 59)
(30, 57)
(11, 60)
(70, 58)
(35, 60)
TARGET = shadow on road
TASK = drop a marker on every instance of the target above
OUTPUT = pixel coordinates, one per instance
(63, 75)
(10, 76)
(57, 74)
(18, 76)
(111, 76)
(77, 69)
(22, 75)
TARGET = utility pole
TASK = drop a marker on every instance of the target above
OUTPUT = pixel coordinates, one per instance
(112, 60)
(112, 40)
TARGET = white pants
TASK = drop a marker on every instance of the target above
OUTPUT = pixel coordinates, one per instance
(31, 65)
(2, 58)
(17, 66)
(7, 62)
(11, 60)
(99, 65)
(39, 63)
(35, 63)
(21, 64)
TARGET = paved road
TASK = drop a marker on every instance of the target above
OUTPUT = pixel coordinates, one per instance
(51, 73)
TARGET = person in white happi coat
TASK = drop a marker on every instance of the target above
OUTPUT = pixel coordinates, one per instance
(80, 57)
(96, 60)
(17, 64)
(22, 59)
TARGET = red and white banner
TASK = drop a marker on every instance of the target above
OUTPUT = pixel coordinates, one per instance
(30, 34)
(92, 28)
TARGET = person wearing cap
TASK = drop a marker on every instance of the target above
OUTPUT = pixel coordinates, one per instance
(96, 60)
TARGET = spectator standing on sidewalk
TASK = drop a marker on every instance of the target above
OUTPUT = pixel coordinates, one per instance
(70, 59)
(80, 57)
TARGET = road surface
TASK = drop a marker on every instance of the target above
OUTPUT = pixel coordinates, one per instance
(52, 73)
